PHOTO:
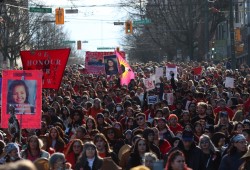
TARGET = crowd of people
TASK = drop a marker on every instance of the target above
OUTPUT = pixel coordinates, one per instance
(93, 122)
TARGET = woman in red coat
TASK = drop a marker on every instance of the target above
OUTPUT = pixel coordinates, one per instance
(73, 151)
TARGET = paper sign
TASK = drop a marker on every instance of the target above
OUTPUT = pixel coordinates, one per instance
(169, 97)
(229, 82)
(171, 69)
(153, 77)
(149, 84)
(152, 99)
(158, 74)
(22, 91)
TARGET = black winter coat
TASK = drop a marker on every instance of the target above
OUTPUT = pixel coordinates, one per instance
(193, 156)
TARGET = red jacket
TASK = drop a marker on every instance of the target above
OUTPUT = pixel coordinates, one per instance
(164, 146)
(176, 129)
(71, 159)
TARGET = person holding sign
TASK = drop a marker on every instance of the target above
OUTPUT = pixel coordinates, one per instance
(111, 67)
(18, 96)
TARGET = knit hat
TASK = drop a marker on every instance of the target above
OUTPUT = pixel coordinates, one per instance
(10, 147)
(172, 116)
(238, 138)
(187, 135)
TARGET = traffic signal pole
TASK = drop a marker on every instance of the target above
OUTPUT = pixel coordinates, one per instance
(232, 40)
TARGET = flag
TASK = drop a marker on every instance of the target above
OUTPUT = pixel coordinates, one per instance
(51, 62)
(126, 72)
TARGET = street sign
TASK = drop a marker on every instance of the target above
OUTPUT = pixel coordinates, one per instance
(105, 48)
(69, 42)
(118, 23)
(142, 22)
(71, 11)
(40, 10)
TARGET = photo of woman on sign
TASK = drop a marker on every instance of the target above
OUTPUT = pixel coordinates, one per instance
(18, 97)
(111, 65)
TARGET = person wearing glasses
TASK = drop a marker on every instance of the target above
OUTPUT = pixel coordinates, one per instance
(211, 154)
(237, 148)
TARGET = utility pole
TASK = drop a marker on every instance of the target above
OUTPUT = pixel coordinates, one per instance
(232, 42)
(190, 29)
(206, 37)
(248, 33)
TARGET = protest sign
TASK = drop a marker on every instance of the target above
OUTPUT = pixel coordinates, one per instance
(51, 62)
(149, 84)
(111, 66)
(22, 90)
(229, 82)
(169, 97)
(158, 74)
(171, 68)
(152, 99)
(94, 61)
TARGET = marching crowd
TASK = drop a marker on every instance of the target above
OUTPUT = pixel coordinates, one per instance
(93, 122)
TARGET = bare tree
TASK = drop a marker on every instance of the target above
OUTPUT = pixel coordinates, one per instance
(179, 24)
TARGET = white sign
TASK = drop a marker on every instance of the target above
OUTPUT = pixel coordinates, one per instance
(158, 74)
(152, 99)
(149, 84)
(170, 70)
(169, 97)
(229, 82)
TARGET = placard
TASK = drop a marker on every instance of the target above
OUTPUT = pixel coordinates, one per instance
(229, 82)
(111, 66)
(149, 84)
(152, 99)
(22, 89)
(169, 97)
(158, 74)
(171, 68)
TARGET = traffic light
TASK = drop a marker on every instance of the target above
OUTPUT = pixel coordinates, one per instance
(79, 45)
(128, 27)
(59, 16)
(237, 35)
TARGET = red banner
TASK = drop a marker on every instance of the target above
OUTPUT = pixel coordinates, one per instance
(94, 61)
(22, 92)
(51, 62)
